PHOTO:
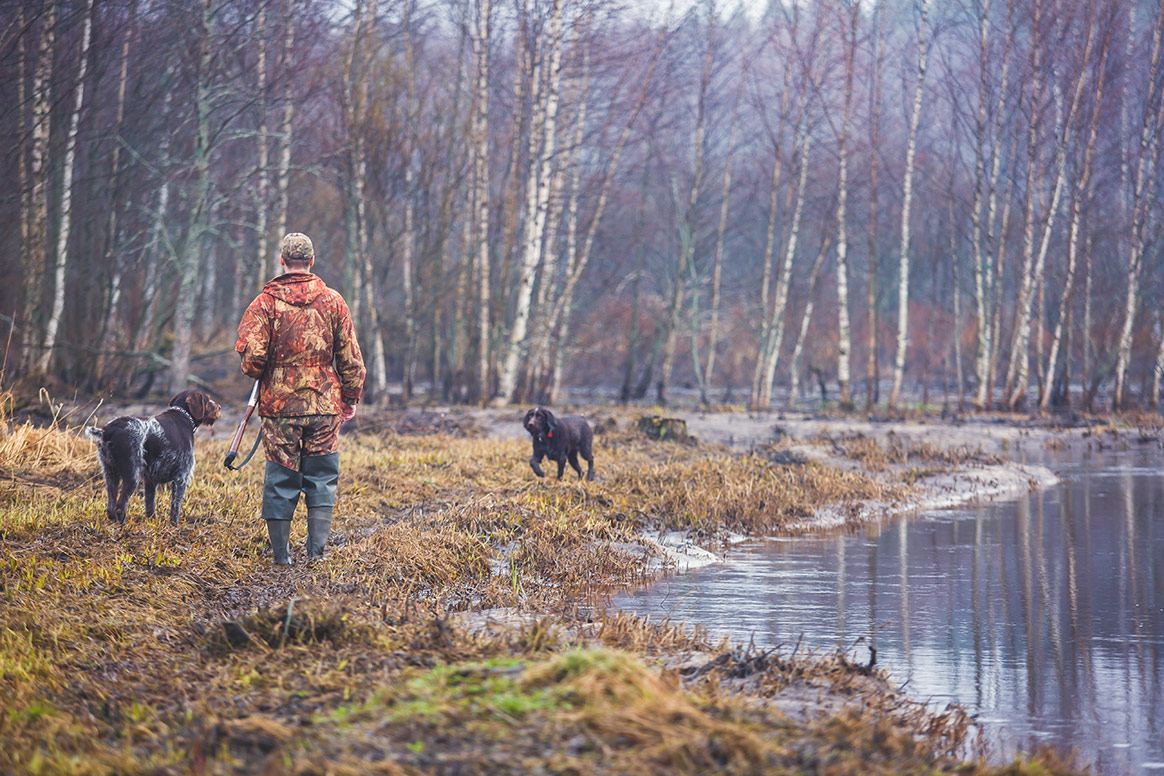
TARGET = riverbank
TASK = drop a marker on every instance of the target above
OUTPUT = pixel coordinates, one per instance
(457, 625)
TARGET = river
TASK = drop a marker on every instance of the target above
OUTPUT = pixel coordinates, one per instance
(1042, 616)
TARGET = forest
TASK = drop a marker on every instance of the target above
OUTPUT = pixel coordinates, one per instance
(873, 200)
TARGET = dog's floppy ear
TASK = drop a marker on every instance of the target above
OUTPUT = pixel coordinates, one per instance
(551, 423)
(179, 400)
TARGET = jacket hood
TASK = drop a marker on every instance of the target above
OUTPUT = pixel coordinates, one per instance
(296, 288)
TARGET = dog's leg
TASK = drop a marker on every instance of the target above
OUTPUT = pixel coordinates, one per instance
(150, 494)
(573, 457)
(177, 494)
(561, 466)
(128, 486)
(586, 447)
(112, 480)
(534, 460)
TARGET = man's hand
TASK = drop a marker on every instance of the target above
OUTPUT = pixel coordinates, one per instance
(347, 412)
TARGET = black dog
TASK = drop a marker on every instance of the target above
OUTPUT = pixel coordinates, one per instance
(559, 439)
(153, 451)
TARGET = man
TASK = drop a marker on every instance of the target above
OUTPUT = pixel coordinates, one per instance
(297, 337)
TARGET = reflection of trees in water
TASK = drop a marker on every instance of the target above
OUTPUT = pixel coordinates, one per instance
(1043, 616)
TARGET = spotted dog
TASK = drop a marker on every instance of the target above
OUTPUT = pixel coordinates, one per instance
(152, 451)
(559, 439)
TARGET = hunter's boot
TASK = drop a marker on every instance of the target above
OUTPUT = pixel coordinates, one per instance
(320, 477)
(281, 488)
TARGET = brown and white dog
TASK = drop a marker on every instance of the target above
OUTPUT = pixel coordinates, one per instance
(152, 451)
(559, 439)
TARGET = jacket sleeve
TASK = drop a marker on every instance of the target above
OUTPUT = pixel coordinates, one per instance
(254, 339)
(349, 362)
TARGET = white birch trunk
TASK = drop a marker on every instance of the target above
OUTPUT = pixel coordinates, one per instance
(66, 206)
(263, 258)
(907, 202)
(805, 321)
(686, 228)
(37, 258)
(776, 322)
(721, 229)
(283, 175)
(481, 192)
(564, 306)
(872, 371)
(1079, 191)
(21, 152)
(409, 371)
(539, 200)
(188, 268)
(844, 336)
(1149, 152)
(112, 253)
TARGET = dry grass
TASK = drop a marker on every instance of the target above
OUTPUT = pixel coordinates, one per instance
(149, 648)
(895, 451)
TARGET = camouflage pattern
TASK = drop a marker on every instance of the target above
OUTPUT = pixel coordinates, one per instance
(297, 247)
(298, 337)
(288, 440)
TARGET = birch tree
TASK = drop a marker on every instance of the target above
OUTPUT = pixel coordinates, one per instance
(39, 172)
(1148, 155)
(64, 222)
(537, 205)
(686, 209)
(480, 143)
(906, 205)
(1078, 192)
(844, 339)
(283, 141)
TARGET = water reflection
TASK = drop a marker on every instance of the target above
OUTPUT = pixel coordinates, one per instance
(1045, 615)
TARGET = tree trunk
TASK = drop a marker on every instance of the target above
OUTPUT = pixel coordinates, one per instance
(66, 208)
(1149, 154)
(687, 229)
(844, 337)
(725, 200)
(1079, 191)
(481, 192)
(776, 324)
(907, 202)
(188, 268)
(544, 125)
(283, 175)
(113, 258)
(872, 370)
(409, 370)
(263, 259)
(805, 321)
(40, 173)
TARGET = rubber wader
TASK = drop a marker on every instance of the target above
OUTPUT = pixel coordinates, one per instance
(320, 477)
(281, 487)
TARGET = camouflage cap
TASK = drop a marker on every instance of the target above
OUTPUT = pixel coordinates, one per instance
(297, 247)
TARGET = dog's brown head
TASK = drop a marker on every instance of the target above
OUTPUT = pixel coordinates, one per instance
(539, 422)
(201, 407)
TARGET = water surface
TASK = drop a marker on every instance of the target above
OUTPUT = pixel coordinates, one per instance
(1043, 616)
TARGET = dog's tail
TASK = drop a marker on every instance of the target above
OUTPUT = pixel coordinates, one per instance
(94, 433)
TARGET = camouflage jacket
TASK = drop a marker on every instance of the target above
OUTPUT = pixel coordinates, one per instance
(298, 336)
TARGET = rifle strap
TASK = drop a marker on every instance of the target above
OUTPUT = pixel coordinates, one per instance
(251, 454)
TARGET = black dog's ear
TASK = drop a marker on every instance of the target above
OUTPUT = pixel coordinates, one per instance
(179, 400)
